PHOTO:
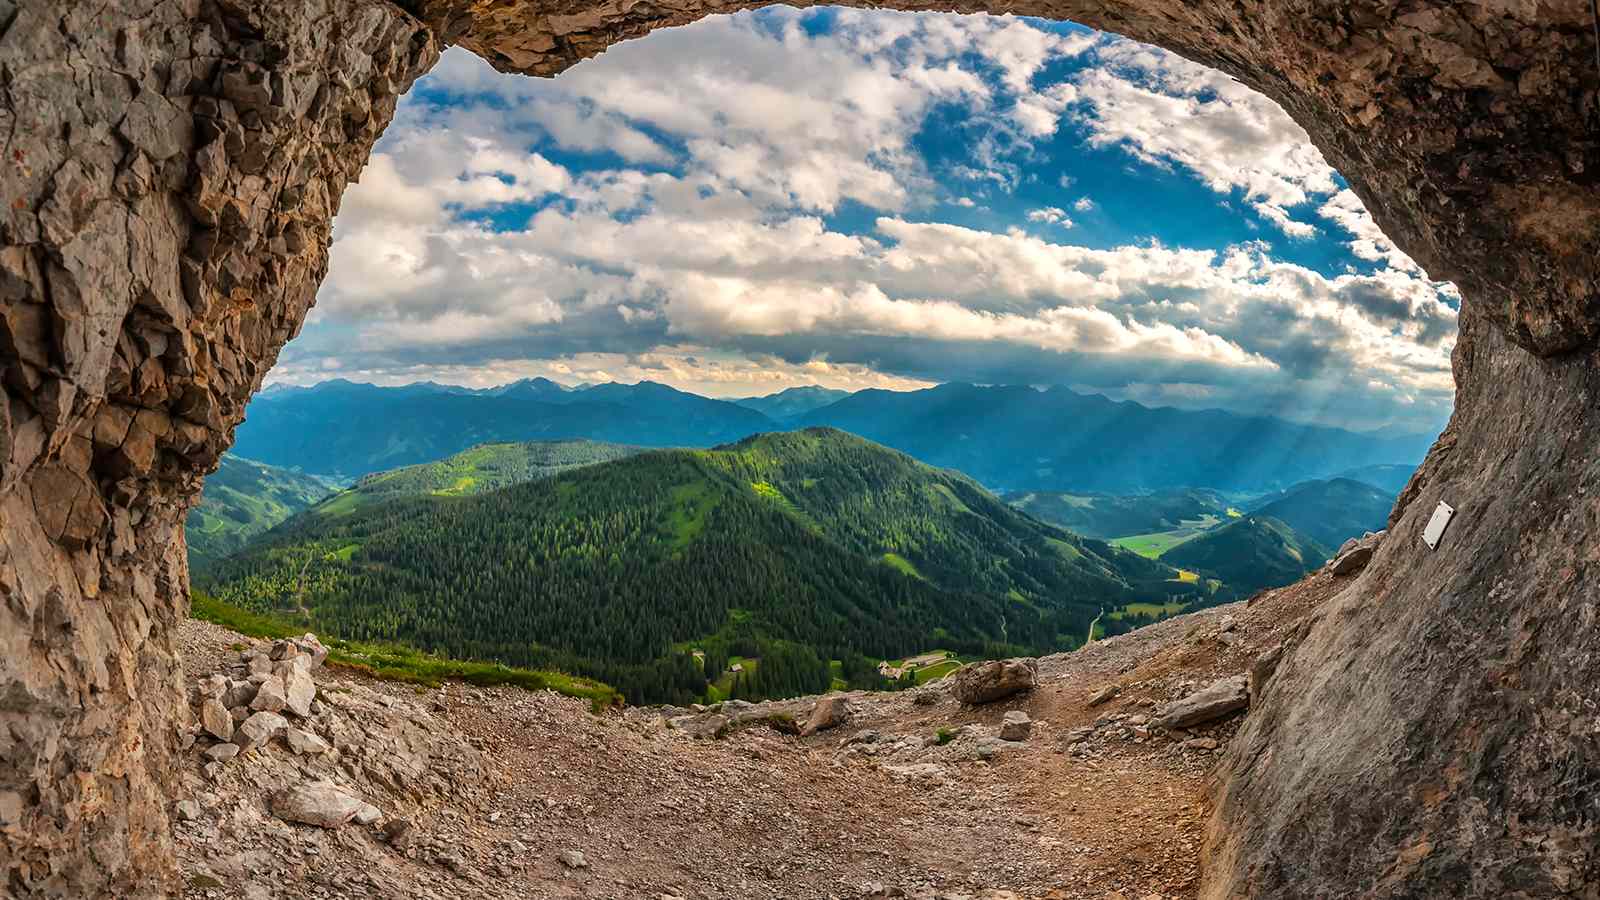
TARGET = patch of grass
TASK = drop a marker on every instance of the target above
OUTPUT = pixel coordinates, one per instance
(1064, 548)
(342, 504)
(690, 505)
(1186, 576)
(902, 565)
(392, 662)
(943, 736)
(936, 671)
(1234, 513)
(1154, 545)
(1156, 610)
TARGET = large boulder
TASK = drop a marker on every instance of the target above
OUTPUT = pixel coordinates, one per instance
(986, 682)
(1354, 555)
(215, 719)
(830, 712)
(257, 730)
(322, 804)
(1222, 697)
(270, 695)
(299, 690)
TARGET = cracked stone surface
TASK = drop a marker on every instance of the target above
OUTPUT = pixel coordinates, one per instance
(171, 170)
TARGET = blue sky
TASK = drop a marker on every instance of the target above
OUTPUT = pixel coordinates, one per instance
(871, 199)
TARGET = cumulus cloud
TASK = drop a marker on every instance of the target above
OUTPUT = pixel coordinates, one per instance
(1169, 111)
(748, 202)
(1050, 215)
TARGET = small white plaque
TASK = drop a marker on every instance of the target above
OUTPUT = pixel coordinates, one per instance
(1437, 525)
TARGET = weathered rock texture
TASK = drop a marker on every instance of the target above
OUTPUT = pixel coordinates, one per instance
(171, 168)
(1437, 724)
(170, 171)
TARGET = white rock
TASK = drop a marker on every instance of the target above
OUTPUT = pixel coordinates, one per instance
(222, 752)
(186, 810)
(299, 689)
(259, 729)
(270, 697)
(319, 803)
(214, 718)
(304, 742)
(1016, 726)
(213, 686)
(1223, 697)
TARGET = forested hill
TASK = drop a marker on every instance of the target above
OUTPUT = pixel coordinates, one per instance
(796, 548)
(242, 499)
(1249, 554)
(489, 467)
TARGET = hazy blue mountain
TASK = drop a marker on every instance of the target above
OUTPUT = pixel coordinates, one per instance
(1330, 512)
(1390, 478)
(1008, 438)
(1013, 438)
(242, 499)
(348, 429)
(795, 401)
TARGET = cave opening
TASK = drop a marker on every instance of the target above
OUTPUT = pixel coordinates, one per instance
(213, 165)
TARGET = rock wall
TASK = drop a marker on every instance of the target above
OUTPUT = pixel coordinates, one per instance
(171, 171)
(1434, 733)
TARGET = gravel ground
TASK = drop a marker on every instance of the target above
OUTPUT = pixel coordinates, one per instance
(518, 794)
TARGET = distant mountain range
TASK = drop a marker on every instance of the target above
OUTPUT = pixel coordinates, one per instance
(1008, 438)
(799, 548)
(793, 402)
(1248, 544)
(1331, 512)
(1013, 438)
(344, 429)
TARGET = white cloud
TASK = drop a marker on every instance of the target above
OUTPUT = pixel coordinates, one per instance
(1346, 210)
(1050, 215)
(1166, 110)
(705, 225)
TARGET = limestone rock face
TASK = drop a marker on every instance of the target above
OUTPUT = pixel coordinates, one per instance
(986, 682)
(1433, 701)
(170, 184)
(172, 170)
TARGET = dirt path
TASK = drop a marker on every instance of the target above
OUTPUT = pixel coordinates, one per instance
(1092, 805)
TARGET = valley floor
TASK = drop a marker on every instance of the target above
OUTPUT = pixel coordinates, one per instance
(505, 789)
